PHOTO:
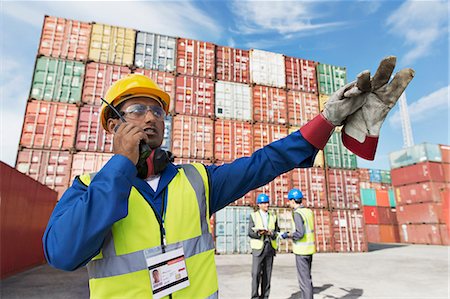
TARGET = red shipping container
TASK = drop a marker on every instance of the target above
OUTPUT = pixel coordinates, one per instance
(91, 136)
(382, 198)
(371, 215)
(343, 189)
(364, 175)
(192, 137)
(194, 96)
(422, 172)
(166, 81)
(387, 215)
(264, 134)
(232, 65)
(422, 192)
(424, 234)
(49, 125)
(445, 151)
(389, 233)
(98, 78)
(233, 139)
(446, 169)
(277, 190)
(269, 104)
(373, 233)
(51, 168)
(26, 208)
(445, 198)
(420, 213)
(348, 231)
(312, 183)
(195, 58)
(302, 107)
(300, 74)
(65, 39)
(322, 229)
(83, 162)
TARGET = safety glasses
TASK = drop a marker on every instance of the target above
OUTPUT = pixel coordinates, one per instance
(139, 111)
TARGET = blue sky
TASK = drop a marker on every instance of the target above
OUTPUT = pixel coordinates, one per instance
(354, 34)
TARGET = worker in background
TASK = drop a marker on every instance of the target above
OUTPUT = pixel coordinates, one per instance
(303, 241)
(140, 210)
(263, 231)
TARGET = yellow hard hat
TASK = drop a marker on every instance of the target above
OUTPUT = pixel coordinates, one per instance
(133, 85)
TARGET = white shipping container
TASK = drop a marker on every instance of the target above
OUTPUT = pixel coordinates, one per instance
(233, 101)
(155, 51)
(267, 68)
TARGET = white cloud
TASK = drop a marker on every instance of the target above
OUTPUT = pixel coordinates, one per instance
(425, 107)
(283, 17)
(421, 24)
(371, 6)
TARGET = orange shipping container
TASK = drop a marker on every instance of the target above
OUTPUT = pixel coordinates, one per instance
(65, 39)
(348, 231)
(264, 134)
(195, 96)
(420, 213)
(232, 65)
(311, 181)
(99, 77)
(91, 136)
(421, 192)
(83, 162)
(195, 58)
(300, 74)
(269, 104)
(232, 139)
(435, 234)
(51, 168)
(302, 107)
(192, 137)
(382, 198)
(49, 125)
(343, 189)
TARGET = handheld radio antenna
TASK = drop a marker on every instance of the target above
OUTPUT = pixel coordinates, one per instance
(114, 109)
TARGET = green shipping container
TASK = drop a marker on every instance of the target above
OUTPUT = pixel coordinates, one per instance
(391, 198)
(368, 197)
(330, 78)
(386, 176)
(337, 155)
(57, 80)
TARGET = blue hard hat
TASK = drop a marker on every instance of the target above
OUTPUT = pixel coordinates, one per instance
(295, 194)
(262, 198)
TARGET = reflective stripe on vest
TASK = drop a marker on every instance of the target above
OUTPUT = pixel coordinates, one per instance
(120, 270)
(306, 245)
(258, 244)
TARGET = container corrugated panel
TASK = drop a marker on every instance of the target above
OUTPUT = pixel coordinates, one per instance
(368, 197)
(57, 80)
(389, 233)
(49, 125)
(26, 208)
(415, 154)
(267, 68)
(421, 192)
(166, 81)
(302, 107)
(343, 189)
(112, 44)
(428, 212)
(348, 231)
(364, 175)
(194, 96)
(330, 78)
(195, 58)
(319, 160)
(322, 101)
(190, 160)
(300, 74)
(337, 155)
(233, 101)
(387, 215)
(269, 104)
(155, 51)
(232, 139)
(445, 199)
(277, 190)
(391, 195)
(192, 137)
(382, 198)
(232, 230)
(90, 135)
(312, 183)
(232, 64)
(422, 172)
(85, 162)
(424, 234)
(446, 169)
(375, 175)
(371, 215)
(99, 77)
(51, 168)
(445, 153)
(63, 38)
(386, 176)
(373, 233)
(264, 134)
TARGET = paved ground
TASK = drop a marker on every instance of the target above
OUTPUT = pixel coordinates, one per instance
(387, 271)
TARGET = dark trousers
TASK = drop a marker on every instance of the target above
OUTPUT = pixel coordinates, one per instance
(303, 263)
(262, 271)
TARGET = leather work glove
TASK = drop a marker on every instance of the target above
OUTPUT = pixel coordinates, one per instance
(378, 96)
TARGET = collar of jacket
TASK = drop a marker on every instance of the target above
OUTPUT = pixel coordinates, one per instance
(166, 177)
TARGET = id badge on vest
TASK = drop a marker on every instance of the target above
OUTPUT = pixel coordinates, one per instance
(168, 272)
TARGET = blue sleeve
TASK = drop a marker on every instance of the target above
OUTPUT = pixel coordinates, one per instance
(231, 181)
(84, 215)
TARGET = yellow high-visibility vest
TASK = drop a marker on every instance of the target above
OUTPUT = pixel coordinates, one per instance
(120, 269)
(258, 244)
(306, 245)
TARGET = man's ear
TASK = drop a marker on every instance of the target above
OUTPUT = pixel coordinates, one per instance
(111, 124)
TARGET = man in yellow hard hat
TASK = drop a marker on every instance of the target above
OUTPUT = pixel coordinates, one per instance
(141, 212)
